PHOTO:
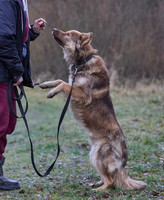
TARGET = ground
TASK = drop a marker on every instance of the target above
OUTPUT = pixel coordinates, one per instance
(141, 116)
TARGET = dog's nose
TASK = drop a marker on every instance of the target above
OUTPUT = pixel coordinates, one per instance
(54, 29)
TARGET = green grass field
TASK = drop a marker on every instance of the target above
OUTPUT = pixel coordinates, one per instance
(141, 116)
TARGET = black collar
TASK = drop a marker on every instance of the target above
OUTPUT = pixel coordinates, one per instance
(81, 62)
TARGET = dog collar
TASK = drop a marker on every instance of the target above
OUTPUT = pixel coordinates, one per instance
(81, 62)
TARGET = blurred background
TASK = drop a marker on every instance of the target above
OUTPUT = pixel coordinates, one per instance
(129, 35)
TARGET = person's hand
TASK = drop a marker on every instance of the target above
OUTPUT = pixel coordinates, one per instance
(20, 80)
(39, 24)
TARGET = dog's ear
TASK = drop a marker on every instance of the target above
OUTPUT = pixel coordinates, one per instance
(86, 38)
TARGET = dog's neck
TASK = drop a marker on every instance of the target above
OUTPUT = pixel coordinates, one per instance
(82, 62)
(74, 57)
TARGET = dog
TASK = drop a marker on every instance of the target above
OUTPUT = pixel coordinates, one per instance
(92, 106)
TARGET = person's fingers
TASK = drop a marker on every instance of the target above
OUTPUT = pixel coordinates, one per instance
(18, 82)
(42, 25)
(39, 24)
(40, 20)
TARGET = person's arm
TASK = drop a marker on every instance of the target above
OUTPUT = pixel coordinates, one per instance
(39, 24)
(32, 34)
(8, 49)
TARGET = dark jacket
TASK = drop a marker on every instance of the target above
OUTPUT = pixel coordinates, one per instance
(12, 27)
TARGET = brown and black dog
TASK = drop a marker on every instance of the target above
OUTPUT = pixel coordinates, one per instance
(91, 104)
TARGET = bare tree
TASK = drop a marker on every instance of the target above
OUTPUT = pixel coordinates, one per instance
(127, 33)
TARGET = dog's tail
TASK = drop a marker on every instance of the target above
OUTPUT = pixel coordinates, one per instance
(124, 182)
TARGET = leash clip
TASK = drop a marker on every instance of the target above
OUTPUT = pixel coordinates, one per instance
(74, 74)
(76, 69)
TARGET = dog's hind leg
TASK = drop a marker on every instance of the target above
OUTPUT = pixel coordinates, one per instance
(106, 178)
(99, 163)
(50, 84)
(108, 182)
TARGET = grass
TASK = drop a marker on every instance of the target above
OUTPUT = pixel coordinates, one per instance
(141, 116)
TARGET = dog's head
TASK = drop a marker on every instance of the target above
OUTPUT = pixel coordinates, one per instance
(75, 45)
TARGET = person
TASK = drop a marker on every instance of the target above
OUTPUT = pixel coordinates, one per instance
(15, 37)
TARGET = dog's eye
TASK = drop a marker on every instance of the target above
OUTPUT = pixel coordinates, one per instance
(68, 34)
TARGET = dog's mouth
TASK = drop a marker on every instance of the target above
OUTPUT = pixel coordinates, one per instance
(59, 41)
(55, 34)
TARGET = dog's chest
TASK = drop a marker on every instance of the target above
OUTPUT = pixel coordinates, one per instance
(79, 80)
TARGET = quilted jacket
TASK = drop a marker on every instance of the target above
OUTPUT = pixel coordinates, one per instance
(12, 27)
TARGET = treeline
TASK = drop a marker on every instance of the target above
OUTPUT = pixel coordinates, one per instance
(129, 35)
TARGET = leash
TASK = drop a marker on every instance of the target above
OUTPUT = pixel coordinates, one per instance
(24, 111)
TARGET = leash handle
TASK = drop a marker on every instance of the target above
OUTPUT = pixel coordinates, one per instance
(18, 98)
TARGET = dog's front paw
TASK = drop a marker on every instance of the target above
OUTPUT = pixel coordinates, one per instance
(51, 94)
(44, 85)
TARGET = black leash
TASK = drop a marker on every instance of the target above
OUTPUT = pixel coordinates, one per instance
(24, 111)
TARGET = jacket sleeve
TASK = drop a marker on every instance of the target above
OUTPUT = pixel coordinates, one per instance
(32, 34)
(8, 49)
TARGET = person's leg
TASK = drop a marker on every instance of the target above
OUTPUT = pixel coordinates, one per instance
(12, 118)
(4, 117)
(7, 125)
(3, 143)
